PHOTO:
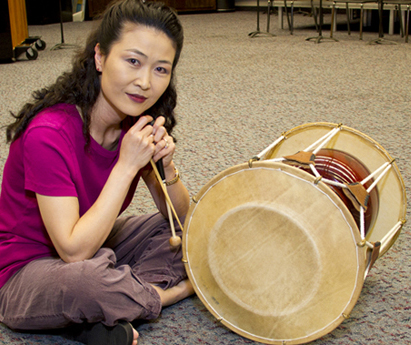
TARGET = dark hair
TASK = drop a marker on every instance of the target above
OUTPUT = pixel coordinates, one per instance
(81, 86)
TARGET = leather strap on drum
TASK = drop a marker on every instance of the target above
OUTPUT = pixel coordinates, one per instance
(301, 158)
(374, 254)
(357, 194)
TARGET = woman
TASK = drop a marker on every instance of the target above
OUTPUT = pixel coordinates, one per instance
(77, 153)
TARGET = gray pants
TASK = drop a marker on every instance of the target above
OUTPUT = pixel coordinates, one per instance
(114, 285)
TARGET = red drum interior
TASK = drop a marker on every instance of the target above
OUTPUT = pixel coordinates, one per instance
(342, 167)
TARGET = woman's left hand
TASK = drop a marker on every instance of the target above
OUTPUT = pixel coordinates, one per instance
(165, 146)
(177, 192)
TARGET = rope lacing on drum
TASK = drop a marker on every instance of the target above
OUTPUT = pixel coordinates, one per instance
(307, 156)
(356, 192)
(382, 170)
(263, 153)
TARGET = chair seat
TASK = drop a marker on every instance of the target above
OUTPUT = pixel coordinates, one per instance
(397, 2)
(355, 1)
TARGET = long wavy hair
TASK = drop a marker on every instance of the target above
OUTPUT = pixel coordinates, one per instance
(81, 86)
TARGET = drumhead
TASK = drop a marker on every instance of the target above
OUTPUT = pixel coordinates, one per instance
(391, 189)
(272, 255)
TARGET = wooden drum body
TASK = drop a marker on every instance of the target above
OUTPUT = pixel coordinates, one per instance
(274, 253)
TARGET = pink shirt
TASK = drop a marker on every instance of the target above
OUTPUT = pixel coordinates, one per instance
(50, 158)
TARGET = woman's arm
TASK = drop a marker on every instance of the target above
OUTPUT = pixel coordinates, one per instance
(79, 238)
(75, 238)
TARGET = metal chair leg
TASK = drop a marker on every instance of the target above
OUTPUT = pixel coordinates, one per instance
(400, 17)
(407, 26)
(288, 16)
(348, 18)
(314, 14)
(268, 15)
(361, 20)
(332, 20)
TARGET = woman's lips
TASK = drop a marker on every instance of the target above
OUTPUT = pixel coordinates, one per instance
(136, 98)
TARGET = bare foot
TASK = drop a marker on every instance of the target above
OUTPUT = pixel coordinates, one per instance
(135, 336)
(175, 294)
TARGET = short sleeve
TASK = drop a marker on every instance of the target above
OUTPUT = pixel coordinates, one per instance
(47, 160)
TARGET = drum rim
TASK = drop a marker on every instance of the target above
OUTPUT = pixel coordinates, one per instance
(360, 276)
(403, 211)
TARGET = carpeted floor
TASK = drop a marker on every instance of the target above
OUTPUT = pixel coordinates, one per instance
(236, 96)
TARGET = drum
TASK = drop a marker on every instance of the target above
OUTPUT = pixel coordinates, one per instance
(274, 253)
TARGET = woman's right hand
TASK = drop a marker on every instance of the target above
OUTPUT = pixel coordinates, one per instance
(137, 147)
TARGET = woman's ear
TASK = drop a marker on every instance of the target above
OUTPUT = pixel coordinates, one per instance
(98, 58)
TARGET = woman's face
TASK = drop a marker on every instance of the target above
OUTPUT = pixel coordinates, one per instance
(137, 70)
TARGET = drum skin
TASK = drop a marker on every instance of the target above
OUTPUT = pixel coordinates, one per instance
(272, 255)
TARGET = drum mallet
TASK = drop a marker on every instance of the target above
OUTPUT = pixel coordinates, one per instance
(158, 169)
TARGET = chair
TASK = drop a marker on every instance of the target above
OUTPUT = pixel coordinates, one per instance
(290, 20)
(381, 3)
(347, 9)
(320, 36)
(398, 4)
(258, 32)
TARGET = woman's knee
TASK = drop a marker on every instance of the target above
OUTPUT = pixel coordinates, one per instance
(86, 278)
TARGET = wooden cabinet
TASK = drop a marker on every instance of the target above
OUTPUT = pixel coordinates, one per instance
(96, 7)
(13, 28)
(192, 5)
(14, 32)
(18, 21)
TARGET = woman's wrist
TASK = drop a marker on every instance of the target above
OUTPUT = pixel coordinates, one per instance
(172, 174)
(125, 173)
(174, 179)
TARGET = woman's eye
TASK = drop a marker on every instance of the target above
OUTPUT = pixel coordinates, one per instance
(134, 61)
(162, 70)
